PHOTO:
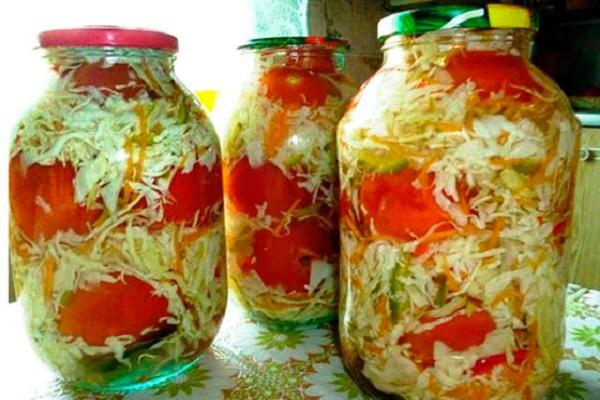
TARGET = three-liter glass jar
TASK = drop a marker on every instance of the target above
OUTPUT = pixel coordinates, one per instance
(280, 177)
(116, 226)
(457, 164)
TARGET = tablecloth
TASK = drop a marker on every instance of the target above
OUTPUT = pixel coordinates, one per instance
(253, 361)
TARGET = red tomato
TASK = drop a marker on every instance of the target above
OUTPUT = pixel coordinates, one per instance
(486, 365)
(125, 307)
(492, 72)
(285, 260)
(42, 200)
(317, 60)
(195, 191)
(248, 187)
(396, 207)
(459, 333)
(115, 78)
(296, 87)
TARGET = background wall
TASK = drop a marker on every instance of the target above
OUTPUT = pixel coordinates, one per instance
(356, 21)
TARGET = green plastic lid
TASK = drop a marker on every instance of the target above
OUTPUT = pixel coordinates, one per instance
(427, 19)
(282, 41)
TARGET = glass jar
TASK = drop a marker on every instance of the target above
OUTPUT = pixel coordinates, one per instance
(116, 226)
(280, 177)
(457, 161)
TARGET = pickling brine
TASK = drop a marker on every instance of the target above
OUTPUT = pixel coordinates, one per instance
(116, 227)
(280, 174)
(457, 166)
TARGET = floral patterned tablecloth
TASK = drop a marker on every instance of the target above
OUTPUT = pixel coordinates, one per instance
(251, 361)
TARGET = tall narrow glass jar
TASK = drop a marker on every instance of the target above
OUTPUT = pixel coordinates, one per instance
(117, 232)
(457, 167)
(280, 176)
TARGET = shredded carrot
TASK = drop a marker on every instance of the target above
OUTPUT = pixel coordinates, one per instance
(423, 174)
(475, 390)
(451, 282)
(277, 132)
(48, 270)
(469, 122)
(502, 138)
(143, 133)
(381, 308)
(178, 263)
(537, 261)
(448, 126)
(182, 244)
(464, 204)
(150, 78)
(499, 224)
(373, 348)
(434, 386)
(85, 248)
(505, 162)
(518, 376)
(540, 174)
(437, 236)
(400, 151)
(129, 172)
(471, 229)
(359, 251)
(525, 202)
(193, 236)
(503, 295)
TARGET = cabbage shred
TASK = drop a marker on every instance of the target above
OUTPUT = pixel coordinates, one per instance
(105, 135)
(518, 158)
(243, 117)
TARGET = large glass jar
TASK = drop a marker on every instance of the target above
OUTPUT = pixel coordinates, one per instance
(116, 227)
(280, 177)
(457, 163)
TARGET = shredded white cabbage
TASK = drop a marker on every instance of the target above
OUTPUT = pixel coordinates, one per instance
(106, 138)
(307, 156)
(502, 173)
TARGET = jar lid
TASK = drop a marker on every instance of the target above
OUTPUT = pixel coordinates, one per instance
(426, 19)
(281, 41)
(108, 36)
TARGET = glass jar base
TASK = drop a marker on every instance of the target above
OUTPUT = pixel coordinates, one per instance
(127, 384)
(264, 319)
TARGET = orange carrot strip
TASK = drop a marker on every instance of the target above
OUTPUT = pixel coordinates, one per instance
(381, 308)
(499, 224)
(453, 284)
(277, 132)
(464, 204)
(437, 236)
(140, 111)
(422, 178)
(373, 348)
(48, 270)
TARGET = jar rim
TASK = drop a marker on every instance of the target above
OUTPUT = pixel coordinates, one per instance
(108, 36)
(445, 17)
(282, 41)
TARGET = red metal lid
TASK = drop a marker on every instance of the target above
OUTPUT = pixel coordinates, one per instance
(101, 36)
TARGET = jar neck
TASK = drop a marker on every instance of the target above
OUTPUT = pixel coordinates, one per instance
(308, 56)
(70, 57)
(400, 50)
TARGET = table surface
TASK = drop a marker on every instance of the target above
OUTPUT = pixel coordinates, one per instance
(251, 361)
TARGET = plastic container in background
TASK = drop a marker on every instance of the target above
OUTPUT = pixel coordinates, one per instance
(278, 129)
(457, 163)
(116, 226)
